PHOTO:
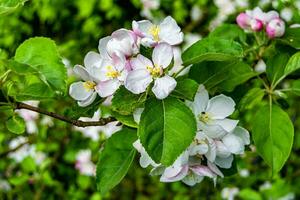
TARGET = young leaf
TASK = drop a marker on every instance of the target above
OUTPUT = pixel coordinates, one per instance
(295, 88)
(229, 32)
(15, 124)
(276, 65)
(166, 129)
(252, 98)
(186, 89)
(125, 102)
(212, 49)
(41, 54)
(115, 159)
(291, 37)
(273, 134)
(293, 64)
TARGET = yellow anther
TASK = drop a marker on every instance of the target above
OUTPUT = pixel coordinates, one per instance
(154, 71)
(204, 117)
(154, 31)
(111, 72)
(89, 85)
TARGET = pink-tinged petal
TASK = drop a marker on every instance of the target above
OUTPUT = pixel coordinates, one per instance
(118, 61)
(141, 28)
(102, 47)
(138, 80)
(200, 101)
(227, 124)
(215, 169)
(99, 73)
(270, 16)
(107, 88)
(243, 20)
(91, 60)
(202, 170)
(88, 101)
(79, 92)
(182, 173)
(220, 107)
(275, 28)
(140, 62)
(163, 86)
(258, 14)
(224, 162)
(148, 42)
(170, 32)
(162, 55)
(256, 25)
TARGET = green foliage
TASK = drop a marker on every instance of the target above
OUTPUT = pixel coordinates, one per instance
(166, 124)
(275, 67)
(7, 6)
(273, 134)
(186, 89)
(224, 76)
(15, 124)
(212, 49)
(252, 98)
(229, 32)
(115, 159)
(293, 64)
(126, 107)
(291, 37)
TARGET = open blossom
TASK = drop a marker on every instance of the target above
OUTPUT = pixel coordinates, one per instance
(84, 163)
(84, 91)
(167, 31)
(145, 71)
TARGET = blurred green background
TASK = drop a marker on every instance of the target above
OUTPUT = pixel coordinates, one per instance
(76, 26)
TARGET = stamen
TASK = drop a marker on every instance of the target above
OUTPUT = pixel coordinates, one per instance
(89, 85)
(154, 31)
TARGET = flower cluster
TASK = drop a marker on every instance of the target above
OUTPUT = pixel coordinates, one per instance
(256, 20)
(120, 62)
(216, 142)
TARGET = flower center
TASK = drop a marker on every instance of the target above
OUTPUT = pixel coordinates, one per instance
(154, 31)
(89, 85)
(204, 117)
(112, 73)
(155, 71)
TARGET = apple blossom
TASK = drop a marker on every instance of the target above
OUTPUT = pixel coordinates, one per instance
(275, 28)
(167, 31)
(84, 163)
(145, 159)
(145, 71)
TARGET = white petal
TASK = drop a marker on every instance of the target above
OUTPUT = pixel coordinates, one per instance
(92, 59)
(137, 114)
(224, 162)
(192, 179)
(79, 92)
(202, 171)
(198, 149)
(212, 151)
(234, 144)
(200, 101)
(140, 62)
(103, 47)
(170, 32)
(215, 169)
(162, 55)
(227, 124)
(148, 42)
(107, 88)
(82, 72)
(181, 174)
(88, 101)
(141, 28)
(243, 134)
(137, 81)
(222, 150)
(212, 130)
(163, 86)
(220, 107)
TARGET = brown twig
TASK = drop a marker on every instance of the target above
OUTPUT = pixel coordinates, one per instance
(79, 123)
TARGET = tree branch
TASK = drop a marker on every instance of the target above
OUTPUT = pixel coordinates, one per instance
(79, 123)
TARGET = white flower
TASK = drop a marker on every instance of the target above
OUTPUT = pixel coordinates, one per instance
(84, 163)
(229, 193)
(84, 91)
(167, 31)
(260, 66)
(144, 71)
(145, 159)
(211, 113)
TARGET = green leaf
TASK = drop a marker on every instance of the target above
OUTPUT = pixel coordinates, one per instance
(295, 87)
(7, 6)
(276, 65)
(212, 49)
(125, 102)
(251, 99)
(186, 89)
(273, 134)
(115, 159)
(166, 129)
(229, 32)
(15, 124)
(41, 54)
(127, 120)
(224, 76)
(293, 64)
(291, 37)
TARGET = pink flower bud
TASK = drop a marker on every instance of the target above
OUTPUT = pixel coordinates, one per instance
(275, 28)
(243, 20)
(256, 25)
